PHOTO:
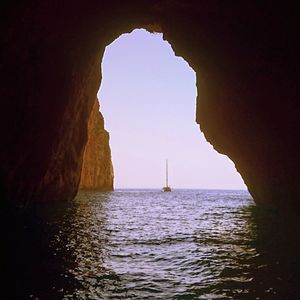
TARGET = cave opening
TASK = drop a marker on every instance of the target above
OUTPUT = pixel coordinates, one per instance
(95, 247)
(148, 98)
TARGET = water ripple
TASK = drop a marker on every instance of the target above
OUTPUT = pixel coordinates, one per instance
(145, 244)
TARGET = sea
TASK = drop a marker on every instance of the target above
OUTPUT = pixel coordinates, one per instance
(147, 244)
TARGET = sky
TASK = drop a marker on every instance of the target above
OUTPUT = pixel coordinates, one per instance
(148, 100)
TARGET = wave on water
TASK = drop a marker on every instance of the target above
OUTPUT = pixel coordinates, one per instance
(146, 244)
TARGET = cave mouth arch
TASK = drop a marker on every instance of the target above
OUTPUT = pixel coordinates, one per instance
(246, 72)
(151, 94)
(241, 108)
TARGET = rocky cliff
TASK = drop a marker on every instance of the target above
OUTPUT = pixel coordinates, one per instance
(245, 55)
(97, 170)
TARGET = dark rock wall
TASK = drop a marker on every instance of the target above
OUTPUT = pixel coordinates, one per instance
(97, 169)
(245, 55)
(50, 75)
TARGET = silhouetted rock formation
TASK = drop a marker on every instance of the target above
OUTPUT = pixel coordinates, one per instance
(245, 54)
(97, 170)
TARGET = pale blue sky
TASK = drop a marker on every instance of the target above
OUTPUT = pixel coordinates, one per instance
(148, 99)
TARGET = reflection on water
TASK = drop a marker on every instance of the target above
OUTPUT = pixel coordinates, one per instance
(145, 244)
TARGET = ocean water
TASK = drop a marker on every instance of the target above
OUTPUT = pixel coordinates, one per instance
(146, 244)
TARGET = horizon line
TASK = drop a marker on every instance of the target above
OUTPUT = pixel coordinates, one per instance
(179, 188)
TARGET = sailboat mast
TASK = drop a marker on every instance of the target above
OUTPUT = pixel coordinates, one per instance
(167, 173)
(167, 188)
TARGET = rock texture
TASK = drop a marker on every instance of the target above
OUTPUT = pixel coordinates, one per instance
(245, 54)
(97, 170)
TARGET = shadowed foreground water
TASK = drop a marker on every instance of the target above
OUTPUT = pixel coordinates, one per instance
(146, 244)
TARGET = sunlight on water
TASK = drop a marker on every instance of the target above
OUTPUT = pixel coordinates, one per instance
(146, 244)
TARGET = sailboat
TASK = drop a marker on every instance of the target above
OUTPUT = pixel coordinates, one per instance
(167, 188)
